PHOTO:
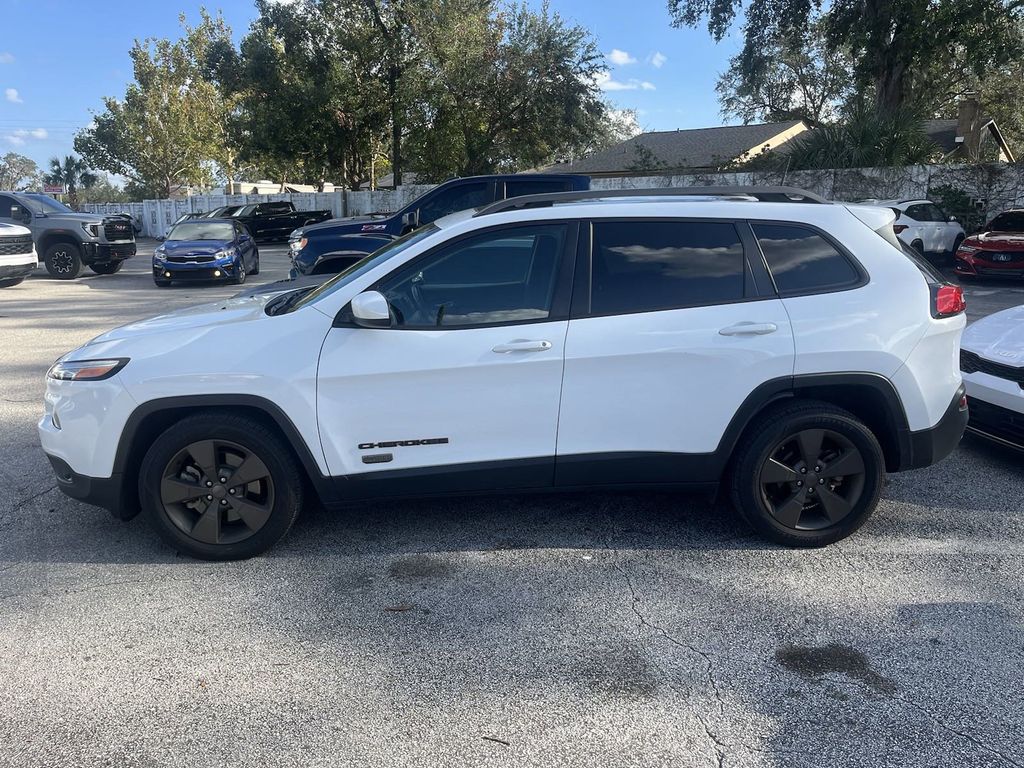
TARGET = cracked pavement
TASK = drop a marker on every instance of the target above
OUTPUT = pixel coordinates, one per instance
(578, 630)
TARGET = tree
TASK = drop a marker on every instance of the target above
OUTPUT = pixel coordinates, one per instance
(71, 173)
(165, 130)
(18, 173)
(795, 78)
(889, 40)
(103, 191)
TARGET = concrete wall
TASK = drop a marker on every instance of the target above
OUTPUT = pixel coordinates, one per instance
(995, 187)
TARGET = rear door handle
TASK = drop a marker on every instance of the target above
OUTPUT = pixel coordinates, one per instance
(521, 345)
(749, 329)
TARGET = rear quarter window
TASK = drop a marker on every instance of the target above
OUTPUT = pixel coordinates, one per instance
(802, 261)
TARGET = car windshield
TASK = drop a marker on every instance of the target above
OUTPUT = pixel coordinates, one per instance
(45, 204)
(379, 256)
(1011, 221)
(195, 229)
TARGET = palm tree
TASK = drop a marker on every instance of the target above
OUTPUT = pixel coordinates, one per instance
(72, 173)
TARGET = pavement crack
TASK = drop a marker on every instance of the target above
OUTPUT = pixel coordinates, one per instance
(19, 504)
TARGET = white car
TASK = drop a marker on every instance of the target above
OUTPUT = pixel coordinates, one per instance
(758, 337)
(17, 254)
(992, 362)
(924, 226)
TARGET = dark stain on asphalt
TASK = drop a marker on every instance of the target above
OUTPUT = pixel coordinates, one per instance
(419, 569)
(623, 674)
(813, 663)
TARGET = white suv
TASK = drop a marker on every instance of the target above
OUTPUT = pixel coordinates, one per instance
(922, 225)
(758, 336)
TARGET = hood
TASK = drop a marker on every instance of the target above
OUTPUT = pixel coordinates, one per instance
(350, 224)
(194, 247)
(221, 314)
(998, 337)
(91, 218)
(1010, 241)
(13, 230)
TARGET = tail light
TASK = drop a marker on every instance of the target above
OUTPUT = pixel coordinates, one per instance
(899, 228)
(948, 300)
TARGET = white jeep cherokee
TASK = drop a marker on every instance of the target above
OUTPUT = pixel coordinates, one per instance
(757, 336)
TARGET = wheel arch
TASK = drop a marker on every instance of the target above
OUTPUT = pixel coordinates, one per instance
(54, 236)
(151, 418)
(870, 397)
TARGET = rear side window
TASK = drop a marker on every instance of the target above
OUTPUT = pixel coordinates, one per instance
(645, 266)
(802, 261)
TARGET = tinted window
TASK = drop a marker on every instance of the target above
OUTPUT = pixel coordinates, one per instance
(935, 213)
(535, 187)
(641, 266)
(505, 276)
(5, 206)
(802, 260)
(916, 212)
(456, 198)
(1011, 221)
(197, 229)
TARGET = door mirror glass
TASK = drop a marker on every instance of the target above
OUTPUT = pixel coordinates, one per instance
(370, 309)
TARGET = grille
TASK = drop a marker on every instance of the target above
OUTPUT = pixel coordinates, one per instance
(187, 259)
(9, 246)
(118, 229)
(996, 421)
(1014, 257)
(972, 363)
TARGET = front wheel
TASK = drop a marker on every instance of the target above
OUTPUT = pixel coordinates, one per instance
(809, 474)
(63, 261)
(239, 277)
(220, 487)
(107, 268)
(255, 262)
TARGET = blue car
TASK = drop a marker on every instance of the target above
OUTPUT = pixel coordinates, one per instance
(206, 249)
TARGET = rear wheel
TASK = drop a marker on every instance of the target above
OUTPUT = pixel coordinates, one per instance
(918, 245)
(220, 487)
(809, 474)
(11, 282)
(107, 268)
(63, 261)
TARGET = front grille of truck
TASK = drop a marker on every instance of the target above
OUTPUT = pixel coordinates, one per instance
(9, 246)
(972, 363)
(118, 229)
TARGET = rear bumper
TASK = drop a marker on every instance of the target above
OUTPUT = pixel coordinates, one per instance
(929, 446)
(106, 492)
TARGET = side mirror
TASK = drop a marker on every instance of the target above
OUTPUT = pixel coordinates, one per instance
(160, 238)
(370, 310)
(411, 220)
(952, 219)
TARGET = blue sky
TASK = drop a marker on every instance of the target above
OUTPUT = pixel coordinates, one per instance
(59, 57)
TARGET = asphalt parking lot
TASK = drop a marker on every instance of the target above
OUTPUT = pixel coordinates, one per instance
(596, 630)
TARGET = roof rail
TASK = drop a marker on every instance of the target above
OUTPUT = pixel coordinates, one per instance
(763, 194)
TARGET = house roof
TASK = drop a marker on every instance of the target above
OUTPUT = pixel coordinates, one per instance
(944, 134)
(661, 151)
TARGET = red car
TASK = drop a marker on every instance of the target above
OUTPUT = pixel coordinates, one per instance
(996, 251)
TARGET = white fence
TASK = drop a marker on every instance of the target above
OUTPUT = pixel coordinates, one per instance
(993, 187)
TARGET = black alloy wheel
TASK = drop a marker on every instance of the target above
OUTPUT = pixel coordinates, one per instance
(63, 261)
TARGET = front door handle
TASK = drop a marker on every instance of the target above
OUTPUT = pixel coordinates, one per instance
(749, 329)
(521, 345)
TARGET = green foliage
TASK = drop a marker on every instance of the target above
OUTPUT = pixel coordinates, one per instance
(18, 173)
(71, 173)
(103, 191)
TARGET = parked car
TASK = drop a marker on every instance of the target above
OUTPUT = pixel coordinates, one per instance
(272, 221)
(206, 249)
(688, 338)
(17, 255)
(924, 226)
(68, 241)
(996, 251)
(992, 362)
(335, 245)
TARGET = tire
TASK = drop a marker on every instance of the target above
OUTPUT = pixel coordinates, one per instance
(63, 261)
(956, 244)
(255, 262)
(11, 282)
(239, 278)
(776, 484)
(202, 449)
(107, 268)
(918, 246)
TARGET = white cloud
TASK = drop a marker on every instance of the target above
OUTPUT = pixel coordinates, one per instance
(605, 82)
(657, 59)
(6, 58)
(621, 57)
(12, 95)
(17, 141)
(20, 136)
(39, 133)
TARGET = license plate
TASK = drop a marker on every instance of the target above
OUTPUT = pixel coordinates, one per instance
(1000, 257)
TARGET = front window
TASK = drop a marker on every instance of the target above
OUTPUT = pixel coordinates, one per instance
(195, 229)
(1011, 221)
(44, 204)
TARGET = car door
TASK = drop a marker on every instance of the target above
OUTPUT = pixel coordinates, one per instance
(245, 247)
(945, 230)
(673, 327)
(462, 391)
(924, 229)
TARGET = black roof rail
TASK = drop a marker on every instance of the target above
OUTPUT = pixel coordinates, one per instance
(763, 194)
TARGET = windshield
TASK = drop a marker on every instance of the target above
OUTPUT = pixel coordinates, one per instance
(379, 256)
(1011, 221)
(44, 204)
(195, 229)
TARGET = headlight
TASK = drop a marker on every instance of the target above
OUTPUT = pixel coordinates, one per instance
(227, 253)
(297, 245)
(967, 248)
(92, 230)
(86, 370)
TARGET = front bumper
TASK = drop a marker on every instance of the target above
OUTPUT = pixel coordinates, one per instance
(208, 270)
(110, 493)
(976, 264)
(929, 446)
(997, 408)
(102, 252)
(14, 271)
